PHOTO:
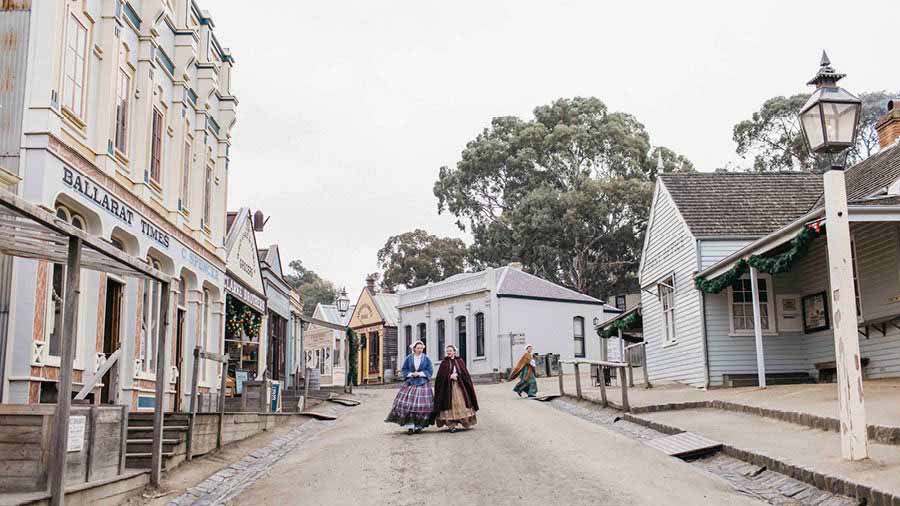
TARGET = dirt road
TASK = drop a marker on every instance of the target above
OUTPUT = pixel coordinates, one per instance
(520, 450)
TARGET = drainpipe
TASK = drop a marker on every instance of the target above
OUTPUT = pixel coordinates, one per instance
(703, 338)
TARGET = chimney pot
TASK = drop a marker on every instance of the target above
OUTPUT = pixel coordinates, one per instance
(516, 265)
(888, 126)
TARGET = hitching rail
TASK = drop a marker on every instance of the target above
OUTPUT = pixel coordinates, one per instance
(621, 373)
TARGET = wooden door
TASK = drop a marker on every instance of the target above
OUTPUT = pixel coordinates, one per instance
(374, 346)
(112, 338)
(179, 357)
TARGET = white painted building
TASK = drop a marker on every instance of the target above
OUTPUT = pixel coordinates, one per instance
(326, 348)
(117, 119)
(490, 315)
(707, 225)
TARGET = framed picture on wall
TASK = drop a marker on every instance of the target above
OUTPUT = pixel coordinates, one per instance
(815, 312)
(789, 317)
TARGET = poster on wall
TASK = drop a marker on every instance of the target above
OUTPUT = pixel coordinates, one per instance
(789, 314)
(240, 378)
(815, 312)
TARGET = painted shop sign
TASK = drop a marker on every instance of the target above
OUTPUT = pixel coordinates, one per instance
(134, 222)
(243, 259)
(101, 198)
(235, 288)
(98, 196)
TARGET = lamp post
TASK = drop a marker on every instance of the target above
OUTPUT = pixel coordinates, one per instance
(343, 303)
(829, 121)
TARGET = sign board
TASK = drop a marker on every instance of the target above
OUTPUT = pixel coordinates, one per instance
(240, 378)
(276, 387)
(517, 339)
(77, 425)
(235, 288)
(790, 318)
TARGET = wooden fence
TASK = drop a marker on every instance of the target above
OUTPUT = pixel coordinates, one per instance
(621, 370)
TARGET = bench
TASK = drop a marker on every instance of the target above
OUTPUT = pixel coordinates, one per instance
(828, 370)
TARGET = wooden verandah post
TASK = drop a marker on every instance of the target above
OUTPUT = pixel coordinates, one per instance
(159, 405)
(757, 329)
(58, 452)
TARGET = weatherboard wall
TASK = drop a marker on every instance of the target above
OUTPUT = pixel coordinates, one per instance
(670, 248)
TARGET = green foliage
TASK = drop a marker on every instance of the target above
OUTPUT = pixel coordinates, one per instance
(312, 288)
(631, 321)
(772, 136)
(770, 264)
(566, 193)
(241, 317)
(352, 353)
(417, 258)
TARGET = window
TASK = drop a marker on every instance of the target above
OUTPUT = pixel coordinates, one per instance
(666, 292)
(149, 319)
(461, 340)
(337, 352)
(207, 197)
(184, 197)
(423, 334)
(123, 92)
(408, 330)
(741, 305)
(73, 83)
(479, 334)
(441, 335)
(156, 148)
(578, 324)
(205, 329)
(621, 303)
(53, 326)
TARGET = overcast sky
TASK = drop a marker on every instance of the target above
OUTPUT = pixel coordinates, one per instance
(348, 108)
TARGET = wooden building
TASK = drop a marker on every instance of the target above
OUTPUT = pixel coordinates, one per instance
(374, 320)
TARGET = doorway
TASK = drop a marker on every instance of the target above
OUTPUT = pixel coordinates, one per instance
(112, 338)
(179, 357)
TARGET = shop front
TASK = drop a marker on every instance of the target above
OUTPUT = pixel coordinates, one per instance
(246, 308)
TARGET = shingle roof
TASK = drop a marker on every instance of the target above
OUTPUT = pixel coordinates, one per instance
(872, 174)
(741, 204)
(517, 283)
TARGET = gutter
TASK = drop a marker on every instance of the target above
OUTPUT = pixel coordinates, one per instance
(772, 240)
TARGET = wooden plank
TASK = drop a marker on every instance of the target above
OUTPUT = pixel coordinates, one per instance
(578, 382)
(93, 380)
(561, 391)
(13, 434)
(57, 469)
(156, 458)
(21, 420)
(684, 444)
(622, 381)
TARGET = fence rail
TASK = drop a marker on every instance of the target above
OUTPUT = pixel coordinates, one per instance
(621, 368)
(636, 356)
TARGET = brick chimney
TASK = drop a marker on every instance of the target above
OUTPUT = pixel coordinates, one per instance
(370, 283)
(888, 126)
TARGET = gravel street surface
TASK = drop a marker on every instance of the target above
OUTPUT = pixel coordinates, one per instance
(521, 450)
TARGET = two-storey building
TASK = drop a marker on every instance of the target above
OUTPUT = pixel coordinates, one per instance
(117, 118)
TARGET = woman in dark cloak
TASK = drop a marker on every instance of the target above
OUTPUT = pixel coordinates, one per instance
(454, 394)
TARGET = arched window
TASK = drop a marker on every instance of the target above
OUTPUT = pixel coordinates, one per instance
(150, 318)
(441, 337)
(479, 334)
(579, 336)
(53, 326)
(461, 339)
(423, 335)
(408, 330)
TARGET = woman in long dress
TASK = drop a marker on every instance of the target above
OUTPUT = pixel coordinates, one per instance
(413, 406)
(454, 393)
(524, 370)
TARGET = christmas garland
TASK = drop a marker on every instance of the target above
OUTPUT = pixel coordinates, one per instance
(775, 264)
(241, 317)
(629, 322)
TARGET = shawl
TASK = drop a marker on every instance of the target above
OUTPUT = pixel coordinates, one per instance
(524, 362)
(443, 385)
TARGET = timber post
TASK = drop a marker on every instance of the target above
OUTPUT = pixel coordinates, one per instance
(625, 406)
(57, 465)
(603, 401)
(222, 403)
(195, 375)
(578, 382)
(644, 363)
(561, 391)
(854, 433)
(757, 329)
(305, 387)
(159, 405)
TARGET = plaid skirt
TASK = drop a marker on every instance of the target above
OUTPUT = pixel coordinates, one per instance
(414, 404)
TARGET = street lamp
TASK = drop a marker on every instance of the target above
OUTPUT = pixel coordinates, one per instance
(829, 122)
(343, 303)
(830, 118)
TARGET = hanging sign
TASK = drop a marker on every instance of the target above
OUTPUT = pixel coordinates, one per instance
(234, 287)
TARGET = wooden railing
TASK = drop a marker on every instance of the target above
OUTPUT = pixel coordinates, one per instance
(636, 356)
(621, 368)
